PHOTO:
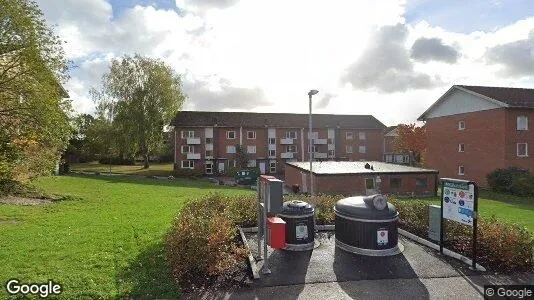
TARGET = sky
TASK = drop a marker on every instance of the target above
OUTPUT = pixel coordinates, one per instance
(391, 59)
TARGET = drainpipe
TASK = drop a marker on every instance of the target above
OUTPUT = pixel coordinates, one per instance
(302, 143)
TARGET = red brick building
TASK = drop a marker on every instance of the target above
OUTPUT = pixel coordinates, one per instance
(362, 178)
(390, 155)
(206, 141)
(472, 130)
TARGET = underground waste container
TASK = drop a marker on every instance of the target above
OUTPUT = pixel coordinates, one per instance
(367, 225)
(300, 225)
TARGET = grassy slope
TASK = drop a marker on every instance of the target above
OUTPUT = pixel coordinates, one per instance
(107, 244)
(154, 170)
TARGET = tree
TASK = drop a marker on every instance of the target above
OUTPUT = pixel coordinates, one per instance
(411, 139)
(34, 127)
(140, 95)
(241, 157)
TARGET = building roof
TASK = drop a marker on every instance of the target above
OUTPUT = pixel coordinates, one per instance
(249, 119)
(391, 131)
(357, 167)
(513, 97)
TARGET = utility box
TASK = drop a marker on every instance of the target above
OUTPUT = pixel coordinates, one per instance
(434, 222)
(276, 233)
(271, 191)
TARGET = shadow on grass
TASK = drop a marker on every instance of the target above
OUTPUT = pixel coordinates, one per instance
(149, 276)
(177, 182)
(526, 201)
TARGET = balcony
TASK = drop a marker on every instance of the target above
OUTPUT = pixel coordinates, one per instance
(320, 155)
(319, 141)
(193, 141)
(286, 141)
(286, 155)
(209, 147)
(331, 147)
(193, 155)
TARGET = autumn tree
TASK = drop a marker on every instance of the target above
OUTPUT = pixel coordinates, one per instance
(140, 95)
(241, 157)
(34, 127)
(411, 139)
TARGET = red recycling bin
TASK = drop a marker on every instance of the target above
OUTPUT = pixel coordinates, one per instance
(276, 233)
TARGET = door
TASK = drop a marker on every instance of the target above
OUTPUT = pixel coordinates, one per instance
(370, 186)
(209, 167)
(221, 167)
(262, 168)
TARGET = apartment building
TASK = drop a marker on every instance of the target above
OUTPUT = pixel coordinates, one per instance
(390, 155)
(207, 141)
(472, 130)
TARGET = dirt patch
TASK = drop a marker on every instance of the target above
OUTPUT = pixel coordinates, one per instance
(23, 201)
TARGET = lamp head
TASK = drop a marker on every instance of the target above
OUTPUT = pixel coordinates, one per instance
(312, 92)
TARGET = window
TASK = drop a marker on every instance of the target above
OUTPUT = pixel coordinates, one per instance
(394, 183)
(272, 141)
(370, 183)
(361, 135)
(461, 147)
(461, 170)
(461, 125)
(389, 158)
(272, 167)
(331, 153)
(188, 149)
(251, 163)
(209, 168)
(230, 149)
(314, 148)
(348, 135)
(348, 149)
(272, 152)
(362, 149)
(291, 148)
(315, 135)
(522, 149)
(522, 123)
(291, 134)
(188, 164)
(251, 135)
(251, 149)
(331, 141)
(188, 134)
(209, 153)
(209, 140)
(230, 135)
(420, 182)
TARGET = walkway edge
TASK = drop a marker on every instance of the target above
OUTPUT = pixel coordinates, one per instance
(251, 261)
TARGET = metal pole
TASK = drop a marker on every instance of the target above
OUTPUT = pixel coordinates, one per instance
(311, 148)
(475, 218)
(441, 220)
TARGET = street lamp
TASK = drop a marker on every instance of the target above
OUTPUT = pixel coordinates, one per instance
(310, 138)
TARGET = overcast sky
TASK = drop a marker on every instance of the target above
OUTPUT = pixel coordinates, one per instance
(391, 59)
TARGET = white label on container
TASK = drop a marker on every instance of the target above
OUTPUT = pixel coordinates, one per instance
(382, 237)
(301, 232)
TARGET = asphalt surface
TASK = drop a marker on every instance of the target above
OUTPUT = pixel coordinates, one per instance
(330, 273)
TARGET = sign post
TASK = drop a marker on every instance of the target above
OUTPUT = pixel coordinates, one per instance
(459, 203)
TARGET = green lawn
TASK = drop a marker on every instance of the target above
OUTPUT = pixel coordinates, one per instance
(508, 208)
(107, 244)
(156, 169)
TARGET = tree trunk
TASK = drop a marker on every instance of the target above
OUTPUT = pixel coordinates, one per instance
(146, 164)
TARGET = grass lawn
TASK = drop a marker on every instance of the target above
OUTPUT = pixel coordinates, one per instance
(508, 208)
(156, 169)
(106, 244)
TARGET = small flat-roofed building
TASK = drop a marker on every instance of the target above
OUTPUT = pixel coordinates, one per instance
(362, 178)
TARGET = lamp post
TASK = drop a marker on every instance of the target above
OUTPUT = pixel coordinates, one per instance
(310, 139)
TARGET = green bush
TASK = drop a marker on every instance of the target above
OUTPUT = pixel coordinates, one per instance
(501, 246)
(201, 244)
(523, 185)
(324, 206)
(188, 173)
(15, 188)
(243, 210)
(501, 180)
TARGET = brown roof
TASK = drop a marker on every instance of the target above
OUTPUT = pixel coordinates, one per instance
(514, 97)
(248, 119)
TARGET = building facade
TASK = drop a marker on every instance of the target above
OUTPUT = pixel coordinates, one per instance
(473, 130)
(390, 155)
(207, 141)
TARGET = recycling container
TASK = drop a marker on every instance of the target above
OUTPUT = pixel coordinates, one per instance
(300, 225)
(367, 225)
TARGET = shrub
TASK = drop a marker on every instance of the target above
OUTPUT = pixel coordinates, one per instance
(523, 185)
(324, 206)
(116, 161)
(243, 210)
(501, 246)
(501, 180)
(201, 243)
(15, 188)
(188, 173)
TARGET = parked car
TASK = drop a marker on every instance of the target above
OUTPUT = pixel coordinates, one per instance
(245, 177)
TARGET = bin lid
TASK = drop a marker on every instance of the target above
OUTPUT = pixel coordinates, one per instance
(357, 207)
(297, 207)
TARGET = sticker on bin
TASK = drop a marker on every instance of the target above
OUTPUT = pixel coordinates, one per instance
(382, 237)
(301, 232)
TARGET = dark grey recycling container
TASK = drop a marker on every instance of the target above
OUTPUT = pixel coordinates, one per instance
(300, 225)
(362, 228)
